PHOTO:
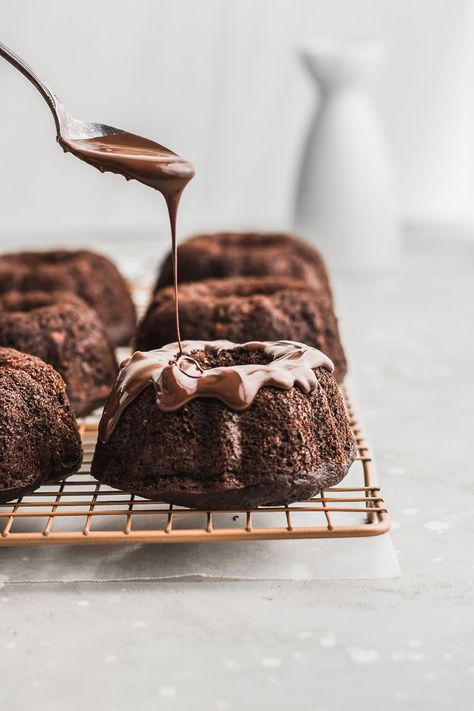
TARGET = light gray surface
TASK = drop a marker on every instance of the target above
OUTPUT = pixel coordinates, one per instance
(402, 643)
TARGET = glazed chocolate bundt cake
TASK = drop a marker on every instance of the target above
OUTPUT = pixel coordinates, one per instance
(63, 331)
(225, 426)
(233, 254)
(39, 439)
(91, 276)
(245, 309)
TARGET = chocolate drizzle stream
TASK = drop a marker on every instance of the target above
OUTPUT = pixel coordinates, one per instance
(177, 380)
(138, 158)
(175, 374)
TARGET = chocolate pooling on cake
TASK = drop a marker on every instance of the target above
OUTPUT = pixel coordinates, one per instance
(178, 378)
(150, 163)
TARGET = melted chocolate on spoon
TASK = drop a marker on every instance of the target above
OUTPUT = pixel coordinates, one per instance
(138, 158)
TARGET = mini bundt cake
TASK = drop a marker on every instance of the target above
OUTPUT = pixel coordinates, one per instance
(93, 277)
(63, 331)
(233, 254)
(225, 426)
(245, 309)
(39, 439)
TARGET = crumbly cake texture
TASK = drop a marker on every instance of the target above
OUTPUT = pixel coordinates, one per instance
(285, 447)
(233, 254)
(63, 331)
(91, 276)
(245, 309)
(39, 438)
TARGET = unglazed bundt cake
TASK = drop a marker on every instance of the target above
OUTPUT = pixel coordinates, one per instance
(63, 331)
(233, 254)
(39, 439)
(91, 276)
(245, 309)
(225, 426)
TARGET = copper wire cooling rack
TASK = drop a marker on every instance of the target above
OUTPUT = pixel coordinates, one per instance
(81, 511)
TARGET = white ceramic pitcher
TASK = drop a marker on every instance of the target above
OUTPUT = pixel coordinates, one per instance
(346, 200)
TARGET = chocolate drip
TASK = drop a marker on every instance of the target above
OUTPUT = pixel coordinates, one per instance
(148, 162)
(177, 380)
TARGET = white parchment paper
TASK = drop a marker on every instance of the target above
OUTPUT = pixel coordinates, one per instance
(370, 557)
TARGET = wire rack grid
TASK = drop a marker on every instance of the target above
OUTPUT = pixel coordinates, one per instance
(81, 511)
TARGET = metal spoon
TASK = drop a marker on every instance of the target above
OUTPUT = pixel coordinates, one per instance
(66, 125)
(127, 154)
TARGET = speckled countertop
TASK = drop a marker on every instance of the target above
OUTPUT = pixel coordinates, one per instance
(404, 643)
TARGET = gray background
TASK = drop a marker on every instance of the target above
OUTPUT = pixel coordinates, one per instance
(220, 82)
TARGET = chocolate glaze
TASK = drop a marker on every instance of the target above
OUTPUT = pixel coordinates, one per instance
(150, 163)
(178, 378)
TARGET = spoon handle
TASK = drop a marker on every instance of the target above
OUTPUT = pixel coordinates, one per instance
(29, 73)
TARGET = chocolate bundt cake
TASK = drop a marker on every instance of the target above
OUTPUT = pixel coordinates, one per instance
(225, 426)
(91, 276)
(245, 309)
(63, 331)
(233, 254)
(39, 439)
